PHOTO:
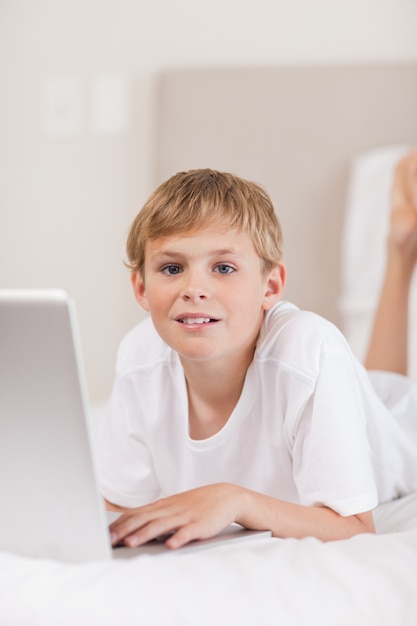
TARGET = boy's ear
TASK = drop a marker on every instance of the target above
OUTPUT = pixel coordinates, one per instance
(274, 283)
(139, 290)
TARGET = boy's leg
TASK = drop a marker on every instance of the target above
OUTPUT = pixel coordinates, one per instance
(389, 337)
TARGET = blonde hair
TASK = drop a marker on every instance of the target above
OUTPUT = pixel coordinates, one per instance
(190, 201)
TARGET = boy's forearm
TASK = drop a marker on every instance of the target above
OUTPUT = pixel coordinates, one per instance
(285, 519)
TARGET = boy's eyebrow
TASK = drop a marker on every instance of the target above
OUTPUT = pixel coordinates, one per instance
(169, 254)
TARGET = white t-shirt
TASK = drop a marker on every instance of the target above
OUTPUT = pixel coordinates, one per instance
(308, 427)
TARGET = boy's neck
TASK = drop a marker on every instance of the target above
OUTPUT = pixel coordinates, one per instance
(213, 393)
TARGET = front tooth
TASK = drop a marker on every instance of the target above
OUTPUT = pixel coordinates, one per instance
(196, 320)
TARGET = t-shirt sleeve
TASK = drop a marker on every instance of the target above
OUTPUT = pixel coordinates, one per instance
(331, 453)
(125, 465)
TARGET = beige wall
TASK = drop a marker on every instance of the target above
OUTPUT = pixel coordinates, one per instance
(70, 183)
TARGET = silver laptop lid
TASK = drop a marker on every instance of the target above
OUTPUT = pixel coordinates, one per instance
(51, 506)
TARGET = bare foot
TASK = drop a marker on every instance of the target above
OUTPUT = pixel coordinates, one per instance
(403, 219)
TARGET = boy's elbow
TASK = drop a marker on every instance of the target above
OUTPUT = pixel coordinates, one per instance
(347, 527)
(360, 523)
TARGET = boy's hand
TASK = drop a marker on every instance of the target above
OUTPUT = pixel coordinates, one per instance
(197, 514)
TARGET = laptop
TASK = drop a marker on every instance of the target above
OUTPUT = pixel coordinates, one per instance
(52, 507)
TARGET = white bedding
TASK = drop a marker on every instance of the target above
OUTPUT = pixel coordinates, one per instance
(366, 580)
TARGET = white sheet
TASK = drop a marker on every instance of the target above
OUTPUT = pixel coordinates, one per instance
(366, 580)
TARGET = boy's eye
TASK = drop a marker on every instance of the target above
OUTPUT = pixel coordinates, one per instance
(171, 270)
(224, 268)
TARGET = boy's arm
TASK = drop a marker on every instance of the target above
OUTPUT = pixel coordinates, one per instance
(114, 507)
(202, 513)
(294, 520)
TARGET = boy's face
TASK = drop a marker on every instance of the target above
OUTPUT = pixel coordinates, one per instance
(206, 293)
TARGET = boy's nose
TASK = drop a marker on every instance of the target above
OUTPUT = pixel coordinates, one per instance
(194, 288)
(194, 293)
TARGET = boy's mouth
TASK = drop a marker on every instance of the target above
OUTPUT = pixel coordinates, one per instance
(195, 320)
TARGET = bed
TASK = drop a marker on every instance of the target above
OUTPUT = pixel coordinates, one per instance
(366, 580)
(296, 130)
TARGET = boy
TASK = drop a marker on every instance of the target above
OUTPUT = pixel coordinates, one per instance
(229, 404)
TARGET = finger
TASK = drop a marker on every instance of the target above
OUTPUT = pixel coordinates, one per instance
(133, 520)
(185, 534)
(125, 525)
(146, 523)
(157, 529)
